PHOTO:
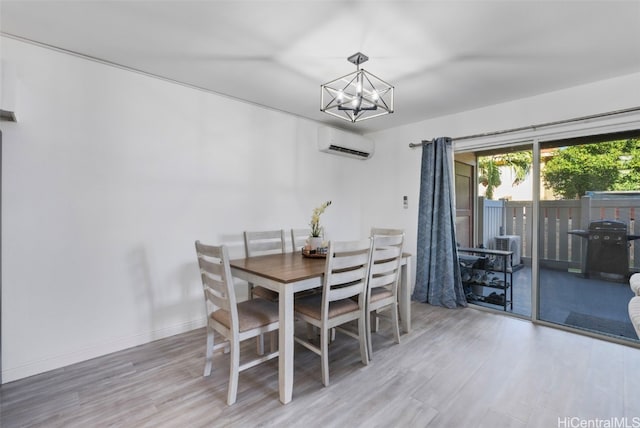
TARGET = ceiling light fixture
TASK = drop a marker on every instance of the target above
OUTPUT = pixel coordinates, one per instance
(357, 96)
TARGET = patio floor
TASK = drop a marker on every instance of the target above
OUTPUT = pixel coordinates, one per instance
(594, 304)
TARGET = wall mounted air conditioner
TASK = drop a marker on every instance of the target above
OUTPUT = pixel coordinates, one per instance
(334, 141)
(510, 243)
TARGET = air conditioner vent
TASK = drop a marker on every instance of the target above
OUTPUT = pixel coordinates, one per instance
(331, 140)
(349, 151)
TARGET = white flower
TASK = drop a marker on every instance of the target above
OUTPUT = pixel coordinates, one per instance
(316, 229)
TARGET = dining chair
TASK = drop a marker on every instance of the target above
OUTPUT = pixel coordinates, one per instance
(382, 284)
(299, 238)
(387, 231)
(345, 277)
(259, 243)
(236, 322)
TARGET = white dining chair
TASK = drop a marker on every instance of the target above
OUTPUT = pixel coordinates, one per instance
(382, 284)
(342, 299)
(236, 322)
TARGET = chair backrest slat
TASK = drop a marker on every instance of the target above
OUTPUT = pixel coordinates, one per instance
(216, 291)
(346, 277)
(385, 231)
(346, 291)
(349, 260)
(383, 280)
(384, 265)
(386, 253)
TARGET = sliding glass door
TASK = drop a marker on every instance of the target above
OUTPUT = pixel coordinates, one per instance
(590, 195)
(566, 211)
(586, 195)
(503, 194)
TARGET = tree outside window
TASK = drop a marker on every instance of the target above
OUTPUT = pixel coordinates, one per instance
(611, 166)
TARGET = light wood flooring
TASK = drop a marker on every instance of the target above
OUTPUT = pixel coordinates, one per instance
(458, 368)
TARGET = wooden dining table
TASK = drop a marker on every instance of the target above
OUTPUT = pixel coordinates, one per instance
(290, 273)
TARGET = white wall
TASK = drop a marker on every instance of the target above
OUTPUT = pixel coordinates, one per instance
(110, 176)
(383, 198)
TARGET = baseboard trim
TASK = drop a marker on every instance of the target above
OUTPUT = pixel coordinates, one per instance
(59, 361)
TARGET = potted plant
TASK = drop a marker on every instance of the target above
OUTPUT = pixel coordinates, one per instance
(317, 231)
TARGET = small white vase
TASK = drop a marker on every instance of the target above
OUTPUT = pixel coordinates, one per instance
(314, 242)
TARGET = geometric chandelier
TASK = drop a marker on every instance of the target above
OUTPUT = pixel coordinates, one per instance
(357, 96)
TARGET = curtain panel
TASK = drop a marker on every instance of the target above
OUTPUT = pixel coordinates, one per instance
(438, 279)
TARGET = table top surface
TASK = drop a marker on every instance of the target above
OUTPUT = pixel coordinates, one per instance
(286, 268)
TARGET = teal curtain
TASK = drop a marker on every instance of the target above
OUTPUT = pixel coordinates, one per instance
(438, 279)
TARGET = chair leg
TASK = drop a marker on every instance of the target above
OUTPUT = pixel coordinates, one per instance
(311, 332)
(368, 330)
(376, 321)
(273, 341)
(260, 338)
(208, 359)
(362, 337)
(233, 371)
(396, 327)
(324, 355)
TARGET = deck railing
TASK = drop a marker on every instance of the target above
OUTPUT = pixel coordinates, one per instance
(558, 248)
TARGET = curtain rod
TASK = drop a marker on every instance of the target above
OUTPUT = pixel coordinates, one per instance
(541, 125)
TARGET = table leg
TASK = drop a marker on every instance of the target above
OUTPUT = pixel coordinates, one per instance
(404, 300)
(285, 337)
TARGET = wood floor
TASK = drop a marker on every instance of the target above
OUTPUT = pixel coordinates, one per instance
(458, 368)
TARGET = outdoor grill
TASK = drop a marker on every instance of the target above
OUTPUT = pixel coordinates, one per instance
(607, 247)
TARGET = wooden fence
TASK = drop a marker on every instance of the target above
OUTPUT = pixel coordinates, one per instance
(557, 247)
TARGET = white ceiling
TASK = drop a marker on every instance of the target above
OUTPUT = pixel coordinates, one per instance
(442, 56)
